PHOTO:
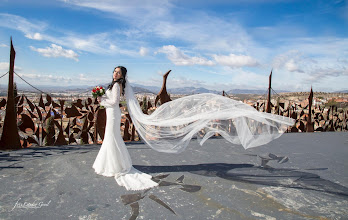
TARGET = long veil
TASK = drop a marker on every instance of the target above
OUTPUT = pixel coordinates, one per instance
(173, 124)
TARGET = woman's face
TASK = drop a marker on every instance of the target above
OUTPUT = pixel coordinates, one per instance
(117, 74)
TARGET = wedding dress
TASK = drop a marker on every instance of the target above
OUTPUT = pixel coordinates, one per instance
(113, 158)
(172, 125)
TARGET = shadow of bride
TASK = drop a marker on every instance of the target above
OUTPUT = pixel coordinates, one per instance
(248, 173)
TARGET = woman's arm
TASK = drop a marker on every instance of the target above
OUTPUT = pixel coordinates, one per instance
(121, 88)
(113, 99)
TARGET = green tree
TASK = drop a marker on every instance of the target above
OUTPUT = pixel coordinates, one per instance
(331, 102)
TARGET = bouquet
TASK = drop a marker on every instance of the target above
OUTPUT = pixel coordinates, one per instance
(98, 91)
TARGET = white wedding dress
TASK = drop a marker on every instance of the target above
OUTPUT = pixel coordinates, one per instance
(113, 159)
(172, 125)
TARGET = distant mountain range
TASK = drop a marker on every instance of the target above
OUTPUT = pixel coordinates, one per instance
(194, 90)
(181, 90)
(138, 88)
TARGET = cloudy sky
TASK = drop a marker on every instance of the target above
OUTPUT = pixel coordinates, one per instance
(216, 44)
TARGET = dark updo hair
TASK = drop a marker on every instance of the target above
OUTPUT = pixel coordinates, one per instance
(121, 80)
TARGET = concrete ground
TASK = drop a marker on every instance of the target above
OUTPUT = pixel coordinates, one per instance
(298, 176)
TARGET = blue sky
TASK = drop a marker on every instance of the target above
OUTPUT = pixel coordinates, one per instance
(219, 44)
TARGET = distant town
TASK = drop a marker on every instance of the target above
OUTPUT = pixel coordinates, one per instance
(338, 99)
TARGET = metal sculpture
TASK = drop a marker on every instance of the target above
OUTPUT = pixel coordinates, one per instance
(163, 96)
(310, 126)
(100, 123)
(268, 106)
(10, 137)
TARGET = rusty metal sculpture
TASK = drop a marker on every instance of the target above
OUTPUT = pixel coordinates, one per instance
(10, 137)
(126, 135)
(100, 123)
(268, 106)
(310, 126)
(163, 96)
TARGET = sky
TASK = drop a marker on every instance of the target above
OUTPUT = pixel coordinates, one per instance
(215, 44)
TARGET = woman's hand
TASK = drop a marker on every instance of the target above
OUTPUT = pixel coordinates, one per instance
(98, 98)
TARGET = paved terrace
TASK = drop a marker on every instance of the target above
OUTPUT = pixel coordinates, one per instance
(298, 176)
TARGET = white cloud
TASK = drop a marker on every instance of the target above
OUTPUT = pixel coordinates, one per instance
(143, 51)
(131, 8)
(318, 68)
(98, 43)
(112, 47)
(56, 51)
(203, 32)
(179, 58)
(155, 19)
(3, 45)
(6, 66)
(234, 60)
(319, 73)
(82, 77)
(95, 43)
(292, 66)
(185, 82)
(34, 78)
(45, 79)
(36, 36)
(290, 61)
(19, 23)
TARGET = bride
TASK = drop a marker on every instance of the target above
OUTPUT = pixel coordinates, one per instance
(113, 158)
(172, 125)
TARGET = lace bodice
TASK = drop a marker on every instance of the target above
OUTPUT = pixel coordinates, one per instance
(111, 98)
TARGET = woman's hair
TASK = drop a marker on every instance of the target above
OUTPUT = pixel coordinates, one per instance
(121, 80)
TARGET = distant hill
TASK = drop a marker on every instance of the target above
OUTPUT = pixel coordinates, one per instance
(246, 91)
(252, 91)
(191, 90)
(342, 91)
(137, 89)
(153, 89)
(194, 90)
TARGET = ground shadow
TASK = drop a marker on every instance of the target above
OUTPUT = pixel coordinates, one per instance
(10, 158)
(290, 178)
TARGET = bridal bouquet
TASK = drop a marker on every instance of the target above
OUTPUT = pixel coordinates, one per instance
(98, 91)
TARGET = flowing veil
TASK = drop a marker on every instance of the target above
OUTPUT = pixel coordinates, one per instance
(173, 124)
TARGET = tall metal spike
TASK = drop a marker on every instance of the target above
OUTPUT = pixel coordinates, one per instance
(268, 106)
(310, 125)
(10, 137)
